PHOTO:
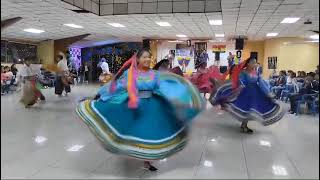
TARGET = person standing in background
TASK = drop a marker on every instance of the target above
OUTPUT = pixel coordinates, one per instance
(105, 76)
(259, 69)
(81, 73)
(86, 72)
(62, 83)
(230, 59)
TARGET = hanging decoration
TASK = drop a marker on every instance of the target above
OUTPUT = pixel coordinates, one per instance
(183, 54)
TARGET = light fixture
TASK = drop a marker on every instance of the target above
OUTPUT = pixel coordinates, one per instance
(207, 163)
(219, 35)
(265, 143)
(175, 41)
(40, 139)
(164, 24)
(272, 34)
(290, 20)
(315, 36)
(75, 148)
(32, 30)
(213, 140)
(73, 26)
(181, 35)
(279, 170)
(315, 41)
(116, 25)
(215, 22)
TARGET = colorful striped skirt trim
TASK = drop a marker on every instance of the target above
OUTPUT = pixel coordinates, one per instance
(120, 144)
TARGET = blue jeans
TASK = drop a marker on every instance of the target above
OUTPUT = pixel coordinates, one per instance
(277, 90)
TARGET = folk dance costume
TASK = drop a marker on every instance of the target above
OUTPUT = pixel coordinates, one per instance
(105, 76)
(31, 92)
(143, 114)
(247, 97)
(201, 79)
(63, 80)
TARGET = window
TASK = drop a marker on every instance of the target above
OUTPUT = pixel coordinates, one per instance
(12, 52)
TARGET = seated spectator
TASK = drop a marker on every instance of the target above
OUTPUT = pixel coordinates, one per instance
(279, 84)
(317, 73)
(309, 87)
(4, 80)
(289, 77)
(14, 70)
(301, 76)
(8, 72)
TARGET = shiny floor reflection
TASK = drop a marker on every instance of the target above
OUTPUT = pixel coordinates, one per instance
(49, 141)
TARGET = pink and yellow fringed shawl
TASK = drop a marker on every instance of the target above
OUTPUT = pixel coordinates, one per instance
(131, 82)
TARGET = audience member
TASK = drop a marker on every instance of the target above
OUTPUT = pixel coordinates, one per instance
(279, 84)
(14, 70)
(310, 86)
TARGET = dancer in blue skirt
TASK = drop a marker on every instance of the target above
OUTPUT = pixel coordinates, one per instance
(247, 97)
(142, 113)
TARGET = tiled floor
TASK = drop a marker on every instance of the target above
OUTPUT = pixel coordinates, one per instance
(49, 141)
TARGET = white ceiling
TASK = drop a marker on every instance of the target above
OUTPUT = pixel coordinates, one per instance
(253, 19)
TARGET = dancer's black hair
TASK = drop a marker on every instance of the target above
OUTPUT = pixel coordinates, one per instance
(163, 62)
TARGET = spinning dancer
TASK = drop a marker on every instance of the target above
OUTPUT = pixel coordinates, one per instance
(105, 76)
(142, 113)
(31, 87)
(202, 77)
(247, 97)
(63, 79)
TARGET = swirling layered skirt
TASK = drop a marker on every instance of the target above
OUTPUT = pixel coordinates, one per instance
(249, 103)
(158, 128)
(30, 92)
(105, 78)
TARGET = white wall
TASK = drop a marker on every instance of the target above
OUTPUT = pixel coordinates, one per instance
(164, 47)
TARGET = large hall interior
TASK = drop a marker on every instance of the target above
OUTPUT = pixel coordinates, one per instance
(159, 89)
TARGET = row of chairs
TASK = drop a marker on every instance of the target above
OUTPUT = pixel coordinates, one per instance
(310, 100)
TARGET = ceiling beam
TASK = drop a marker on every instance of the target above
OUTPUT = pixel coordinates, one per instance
(73, 39)
(8, 22)
(61, 45)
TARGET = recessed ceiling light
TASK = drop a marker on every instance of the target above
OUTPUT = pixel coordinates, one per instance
(181, 35)
(165, 24)
(73, 25)
(315, 36)
(75, 148)
(290, 20)
(215, 22)
(40, 139)
(32, 30)
(176, 41)
(272, 34)
(219, 35)
(265, 143)
(116, 25)
(279, 170)
(207, 163)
